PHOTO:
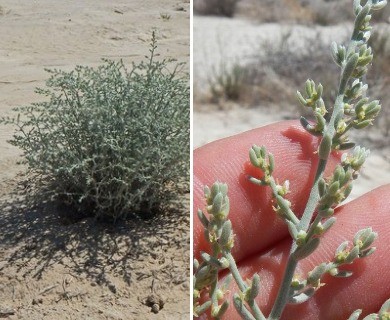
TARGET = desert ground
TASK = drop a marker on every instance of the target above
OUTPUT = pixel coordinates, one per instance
(53, 268)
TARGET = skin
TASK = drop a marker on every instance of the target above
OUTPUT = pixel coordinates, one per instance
(262, 241)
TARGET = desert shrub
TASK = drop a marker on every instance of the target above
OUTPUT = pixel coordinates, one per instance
(226, 8)
(378, 77)
(226, 82)
(267, 78)
(109, 141)
(321, 12)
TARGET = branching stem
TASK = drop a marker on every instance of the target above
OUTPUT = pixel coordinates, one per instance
(282, 297)
(242, 286)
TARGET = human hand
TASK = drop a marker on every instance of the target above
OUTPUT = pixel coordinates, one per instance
(262, 241)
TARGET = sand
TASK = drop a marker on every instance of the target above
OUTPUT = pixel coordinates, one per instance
(56, 269)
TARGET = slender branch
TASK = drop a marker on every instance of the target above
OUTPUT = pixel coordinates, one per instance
(290, 215)
(313, 198)
(214, 285)
(243, 287)
(282, 297)
(313, 226)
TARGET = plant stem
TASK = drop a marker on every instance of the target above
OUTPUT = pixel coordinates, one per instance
(284, 289)
(281, 299)
(214, 285)
(290, 215)
(313, 226)
(304, 224)
(243, 287)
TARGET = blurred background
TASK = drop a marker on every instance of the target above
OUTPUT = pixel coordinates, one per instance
(251, 56)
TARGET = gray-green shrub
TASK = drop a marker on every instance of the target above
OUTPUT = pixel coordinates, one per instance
(225, 8)
(109, 141)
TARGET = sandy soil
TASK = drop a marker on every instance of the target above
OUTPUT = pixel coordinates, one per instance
(223, 40)
(53, 268)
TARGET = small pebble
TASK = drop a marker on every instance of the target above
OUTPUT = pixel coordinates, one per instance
(112, 288)
(37, 301)
(155, 308)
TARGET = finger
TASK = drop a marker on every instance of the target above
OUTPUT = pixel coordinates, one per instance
(256, 225)
(366, 289)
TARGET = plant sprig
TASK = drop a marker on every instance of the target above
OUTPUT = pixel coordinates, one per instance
(352, 110)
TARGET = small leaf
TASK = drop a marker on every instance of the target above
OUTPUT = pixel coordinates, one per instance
(195, 264)
(362, 124)
(306, 124)
(255, 287)
(301, 99)
(320, 89)
(321, 187)
(372, 316)
(347, 190)
(378, 5)
(202, 308)
(271, 161)
(328, 223)
(257, 181)
(225, 233)
(348, 70)
(211, 260)
(367, 252)
(283, 203)
(223, 188)
(343, 274)
(361, 235)
(385, 308)
(353, 254)
(223, 308)
(203, 219)
(361, 16)
(342, 247)
(334, 187)
(355, 315)
(309, 87)
(325, 212)
(316, 273)
(253, 158)
(338, 59)
(241, 308)
(325, 146)
(226, 282)
(303, 296)
(347, 145)
(306, 249)
(292, 229)
(217, 203)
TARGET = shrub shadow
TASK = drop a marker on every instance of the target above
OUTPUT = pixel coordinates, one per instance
(32, 239)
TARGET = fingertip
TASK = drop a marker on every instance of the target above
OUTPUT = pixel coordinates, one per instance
(227, 160)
